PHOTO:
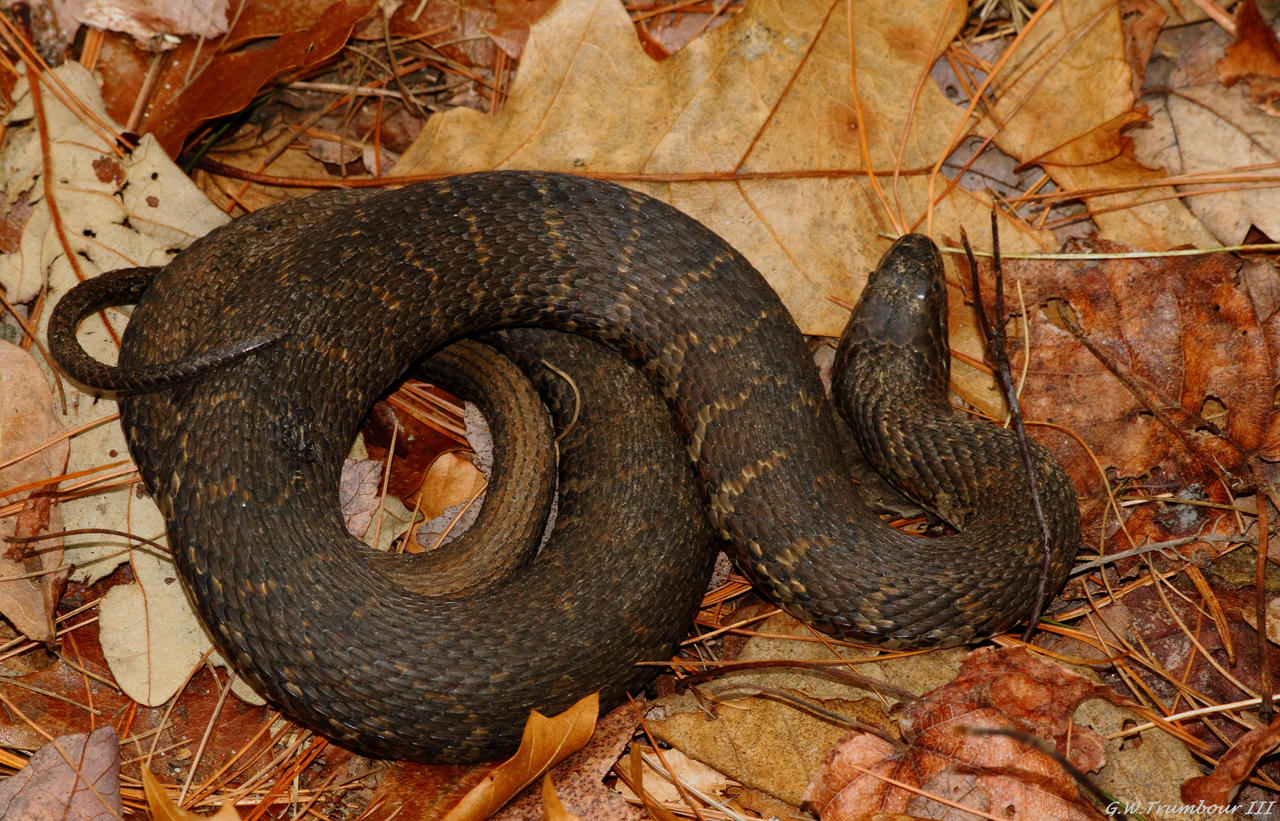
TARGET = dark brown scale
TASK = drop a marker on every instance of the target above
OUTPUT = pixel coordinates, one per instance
(356, 286)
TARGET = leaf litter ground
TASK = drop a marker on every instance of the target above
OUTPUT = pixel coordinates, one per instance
(761, 129)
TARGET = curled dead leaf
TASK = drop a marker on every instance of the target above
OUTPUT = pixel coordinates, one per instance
(163, 807)
(551, 805)
(1220, 786)
(1254, 57)
(545, 743)
(32, 575)
(34, 451)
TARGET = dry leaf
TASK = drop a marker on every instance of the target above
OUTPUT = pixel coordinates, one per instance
(769, 93)
(633, 777)
(1220, 786)
(514, 17)
(423, 790)
(546, 741)
(766, 94)
(1146, 767)
(371, 516)
(252, 149)
(451, 491)
(1073, 62)
(1254, 57)
(1182, 326)
(124, 66)
(996, 689)
(451, 481)
(58, 694)
(146, 19)
(32, 576)
(1198, 127)
(71, 777)
(551, 805)
(772, 746)
(1143, 21)
(581, 776)
(149, 635)
(658, 791)
(358, 494)
(163, 808)
(231, 81)
(1200, 666)
(1272, 619)
(134, 214)
(416, 416)
(115, 212)
(28, 422)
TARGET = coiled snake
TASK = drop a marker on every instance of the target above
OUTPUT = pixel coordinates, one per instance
(307, 312)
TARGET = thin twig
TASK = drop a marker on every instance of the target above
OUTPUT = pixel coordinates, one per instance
(877, 686)
(1159, 547)
(746, 690)
(998, 354)
(409, 100)
(1266, 709)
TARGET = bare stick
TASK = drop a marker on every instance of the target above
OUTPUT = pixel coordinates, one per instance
(998, 356)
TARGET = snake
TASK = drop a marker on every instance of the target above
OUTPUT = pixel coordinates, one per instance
(250, 359)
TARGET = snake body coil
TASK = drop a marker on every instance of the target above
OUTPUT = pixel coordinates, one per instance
(317, 306)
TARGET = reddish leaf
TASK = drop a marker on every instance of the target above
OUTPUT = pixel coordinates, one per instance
(74, 776)
(1145, 614)
(1186, 332)
(231, 81)
(513, 20)
(1233, 768)
(1253, 57)
(413, 413)
(995, 689)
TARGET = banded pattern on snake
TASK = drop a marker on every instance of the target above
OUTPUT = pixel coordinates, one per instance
(316, 307)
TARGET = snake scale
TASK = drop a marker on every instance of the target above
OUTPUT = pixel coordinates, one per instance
(251, 358)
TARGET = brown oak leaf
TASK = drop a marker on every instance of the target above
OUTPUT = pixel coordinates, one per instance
(942, 760)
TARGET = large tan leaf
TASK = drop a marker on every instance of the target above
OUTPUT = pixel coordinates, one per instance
(1063, 103)
(753, 129)
(753, 123)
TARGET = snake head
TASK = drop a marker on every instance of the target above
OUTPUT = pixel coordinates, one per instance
(899, 326)
(905, 302)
